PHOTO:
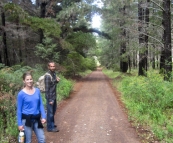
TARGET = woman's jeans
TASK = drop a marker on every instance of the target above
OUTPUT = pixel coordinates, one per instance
(51, 109)
(38, 131)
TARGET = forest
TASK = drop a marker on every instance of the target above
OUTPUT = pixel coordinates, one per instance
(133, 35)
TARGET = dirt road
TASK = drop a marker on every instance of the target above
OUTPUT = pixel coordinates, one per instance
(92, 115)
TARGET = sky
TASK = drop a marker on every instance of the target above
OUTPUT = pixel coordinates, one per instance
(96, 21)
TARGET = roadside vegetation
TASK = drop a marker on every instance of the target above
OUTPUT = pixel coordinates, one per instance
(149, 103)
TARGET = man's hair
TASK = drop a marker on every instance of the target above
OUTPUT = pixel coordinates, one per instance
(50, 62)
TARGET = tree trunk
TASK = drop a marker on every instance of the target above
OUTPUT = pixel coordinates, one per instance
(153, 57)
(147, 12)
(6, 58)
(167, 39)
(42, 15)
(143, 17)
(37, 3)
(124, 59)
(141, 38)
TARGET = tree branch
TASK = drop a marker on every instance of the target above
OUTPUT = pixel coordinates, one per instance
(157, 5)
(91, 30)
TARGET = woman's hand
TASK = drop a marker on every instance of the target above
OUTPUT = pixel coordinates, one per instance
(43, 121)
(21, 128)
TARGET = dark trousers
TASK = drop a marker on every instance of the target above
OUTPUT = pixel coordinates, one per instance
(51, 109)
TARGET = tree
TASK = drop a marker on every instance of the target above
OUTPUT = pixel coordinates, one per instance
(124, 59)
(6, 57)
(143, 16)
(167, 58)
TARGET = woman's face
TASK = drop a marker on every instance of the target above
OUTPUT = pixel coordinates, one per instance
(28, 81)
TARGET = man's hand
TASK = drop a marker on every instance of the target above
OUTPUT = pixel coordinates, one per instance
(58, 79)
(51, 103)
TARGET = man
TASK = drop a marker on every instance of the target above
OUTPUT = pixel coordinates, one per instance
(50, 93)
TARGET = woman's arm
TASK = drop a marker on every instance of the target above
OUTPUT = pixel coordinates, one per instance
(19, 108)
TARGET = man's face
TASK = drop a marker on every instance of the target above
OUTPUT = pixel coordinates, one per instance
(51, 66)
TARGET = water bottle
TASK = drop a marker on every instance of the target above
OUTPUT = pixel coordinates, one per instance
(21, 137)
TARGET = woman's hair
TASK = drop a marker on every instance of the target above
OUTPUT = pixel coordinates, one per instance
(26, 74)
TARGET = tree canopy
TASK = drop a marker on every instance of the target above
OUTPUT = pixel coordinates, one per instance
(133, 34)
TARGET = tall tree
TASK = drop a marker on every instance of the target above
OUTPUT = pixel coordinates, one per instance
(167, 39)
(43, 4)
(143, 17)
(6, 57)
(123, 56)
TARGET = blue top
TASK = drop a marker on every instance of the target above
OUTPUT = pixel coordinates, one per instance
(29, 104)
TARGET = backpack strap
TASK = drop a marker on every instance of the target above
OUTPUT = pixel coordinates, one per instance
(49, 75)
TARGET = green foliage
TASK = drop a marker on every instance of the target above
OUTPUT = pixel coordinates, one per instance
(81, 42)
(73, 64)
(11, 117)
(76, 60)
(2, 65)
(83, 74)
(17, 14)
(79, 12)
(64, 88)
(47, 50)
(150, 101)
(77, 63)
(49, 26)
(90, 63)
(8, 126)
(11, 78)
(111, 73)
(108, 55)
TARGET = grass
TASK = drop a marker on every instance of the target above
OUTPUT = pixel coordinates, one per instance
(85, 73)
(149, 101)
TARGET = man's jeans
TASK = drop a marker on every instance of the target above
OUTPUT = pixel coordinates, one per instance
(51, 109)
(38, 131)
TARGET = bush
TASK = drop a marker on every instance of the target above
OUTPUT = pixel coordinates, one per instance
(64, 88)
(76, 63)
(8, 125)
(150, 102)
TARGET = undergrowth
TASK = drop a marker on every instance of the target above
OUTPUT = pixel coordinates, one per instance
(149, 101)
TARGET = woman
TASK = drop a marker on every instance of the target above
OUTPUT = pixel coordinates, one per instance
(30, 110)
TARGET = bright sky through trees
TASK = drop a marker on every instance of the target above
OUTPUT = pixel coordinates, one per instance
(96, 21)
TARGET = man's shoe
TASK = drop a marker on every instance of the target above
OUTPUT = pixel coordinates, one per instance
(55, 126)
(53, 130)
